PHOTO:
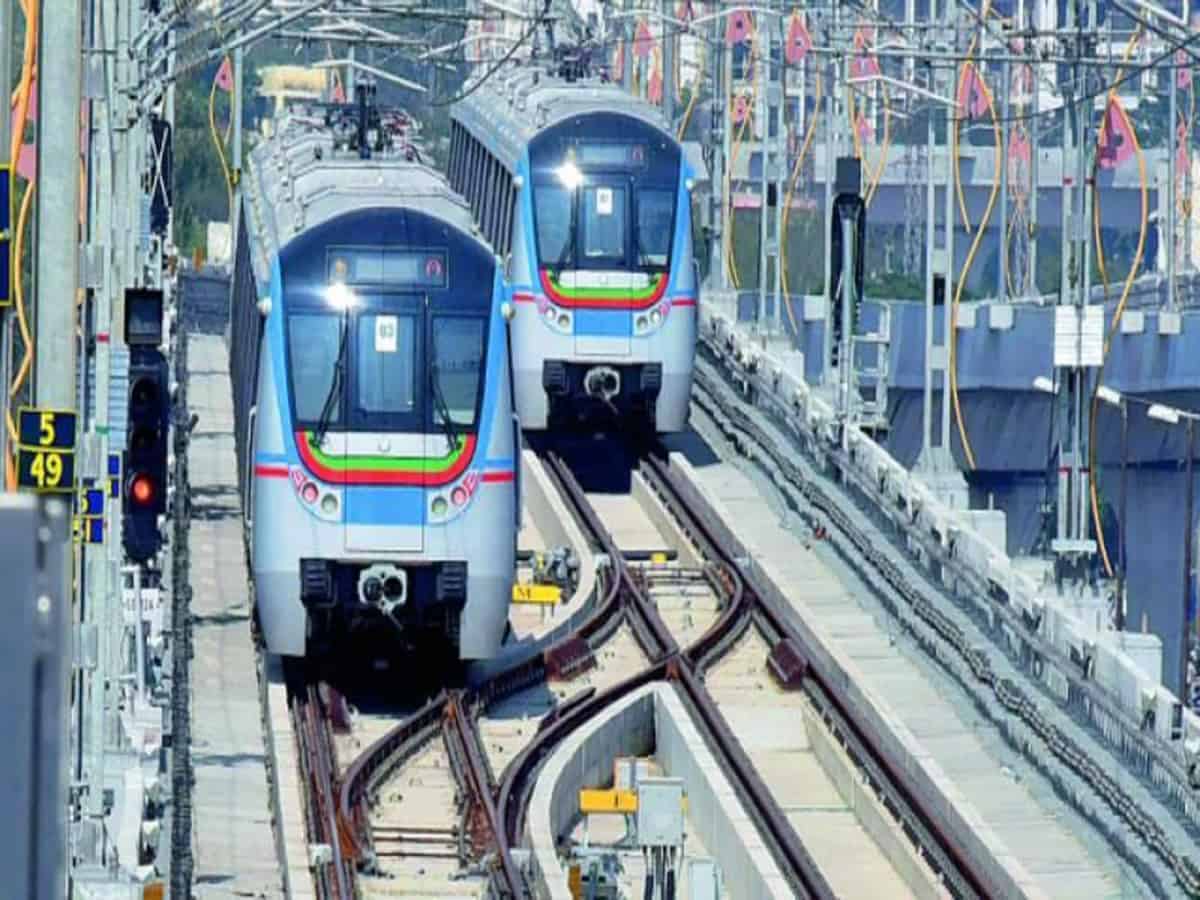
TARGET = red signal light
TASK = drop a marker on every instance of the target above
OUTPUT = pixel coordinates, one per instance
(141, 489)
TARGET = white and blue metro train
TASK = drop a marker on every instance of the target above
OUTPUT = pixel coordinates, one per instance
(583, 190)
(375, 429)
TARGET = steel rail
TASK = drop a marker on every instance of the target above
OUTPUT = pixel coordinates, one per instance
(312, 730)
(940, 848)
(669, 662)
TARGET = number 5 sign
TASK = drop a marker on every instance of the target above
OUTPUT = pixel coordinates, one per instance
(46, 450)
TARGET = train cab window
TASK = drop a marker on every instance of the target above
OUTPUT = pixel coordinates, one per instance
(553, 214)
(457, 364)
(604, 216)
(386, 364)
(313, 344)
(655, 217)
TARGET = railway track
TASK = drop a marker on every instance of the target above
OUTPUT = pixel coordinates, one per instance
(680, 620)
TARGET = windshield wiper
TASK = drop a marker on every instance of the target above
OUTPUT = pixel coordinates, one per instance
(339, 372)
(443, 409)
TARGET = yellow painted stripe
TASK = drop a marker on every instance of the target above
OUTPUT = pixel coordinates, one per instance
(540, 594)
(591, 801)
(658, 558)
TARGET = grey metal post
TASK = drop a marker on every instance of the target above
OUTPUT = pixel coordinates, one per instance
(669, 39)
(237, 113)
(930, 236)
(1002, 256)
(845, 349)
(827, 220)
(627, 47)
(764, 122)
(1124, 518)
(6, 42)
(1034, 185)
(351, 73)
(56, 249)
(719, 187)
(1172, 199)
(948, 296)
(1188, 537)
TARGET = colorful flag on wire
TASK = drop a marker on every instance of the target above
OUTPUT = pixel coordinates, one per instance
(799, 42)
(1018, 145)
(225, 75)
(741, 109)
(643, 40)
(738, 27)
(972, 95)
(685, 12)
(1116, 137)
(863, 129)
(1183, 72)
(654, 87)
(26, 163)
(1181, 148)
(338, 94)
(618, 64)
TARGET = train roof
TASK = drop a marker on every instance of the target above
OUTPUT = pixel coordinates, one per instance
(303, 174)
(512, 107)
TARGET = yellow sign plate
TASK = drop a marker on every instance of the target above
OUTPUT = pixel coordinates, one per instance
(540, 594)
(591, 801)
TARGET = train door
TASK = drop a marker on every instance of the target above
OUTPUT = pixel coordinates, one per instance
(605, 326)
(385, 446)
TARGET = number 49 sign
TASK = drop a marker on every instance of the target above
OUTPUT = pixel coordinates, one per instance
(46, 450)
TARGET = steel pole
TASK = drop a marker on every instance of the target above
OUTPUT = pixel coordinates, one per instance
(948, 295)
(1172, 199)
(56, 263)
(669, 39)
(1002, 256)
(1187, 558)
(1124, 508)
(6, 42)
(930, 236)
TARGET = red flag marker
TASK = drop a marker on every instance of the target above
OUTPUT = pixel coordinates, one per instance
(738, 27)
(643, 41)
(1116, 139)
(864, 130)
(972, 96)
(1183, 74)
(225, 75)
(799, 42)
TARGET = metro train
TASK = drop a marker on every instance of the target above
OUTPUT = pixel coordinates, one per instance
(373, 403)
(582, 189)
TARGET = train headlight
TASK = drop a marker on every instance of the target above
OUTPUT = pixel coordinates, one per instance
(550, 313)
(439, 506)
(329, 504)
(641, 323)
(564, 321)
(309, 493)
(656, 315)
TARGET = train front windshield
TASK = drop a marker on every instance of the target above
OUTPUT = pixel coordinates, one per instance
(604, 195)
(398, 372)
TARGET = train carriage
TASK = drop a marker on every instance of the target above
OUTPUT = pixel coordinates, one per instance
(587, 195)
(375, 429)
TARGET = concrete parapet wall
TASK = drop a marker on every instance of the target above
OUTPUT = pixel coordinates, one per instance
(651, 719)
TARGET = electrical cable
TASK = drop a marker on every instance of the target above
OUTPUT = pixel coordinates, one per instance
(968, 452)
(1093, 492)
(212, 125)
(787, 202)
(31, 10)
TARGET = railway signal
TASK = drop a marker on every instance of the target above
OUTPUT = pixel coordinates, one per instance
(146, 453)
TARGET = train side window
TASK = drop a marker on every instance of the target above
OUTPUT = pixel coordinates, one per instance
(313, 343)
(386, 364)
